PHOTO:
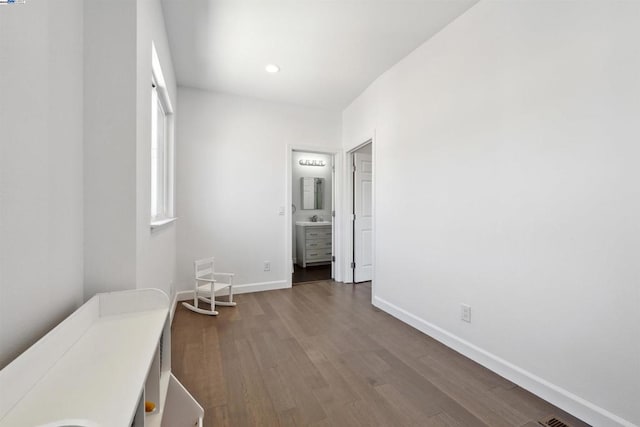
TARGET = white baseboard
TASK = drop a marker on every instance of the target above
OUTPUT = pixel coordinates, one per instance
(558, 396)
(174, 303)
(184, 296)
(237, 289)
(259, 287)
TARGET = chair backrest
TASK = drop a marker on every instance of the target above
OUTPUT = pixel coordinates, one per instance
(204, 268)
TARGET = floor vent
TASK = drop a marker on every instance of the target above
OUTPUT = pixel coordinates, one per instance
(553, 421)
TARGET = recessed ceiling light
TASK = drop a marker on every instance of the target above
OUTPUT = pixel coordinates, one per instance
(272, 68)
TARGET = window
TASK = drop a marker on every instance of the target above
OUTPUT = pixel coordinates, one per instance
(161, 148)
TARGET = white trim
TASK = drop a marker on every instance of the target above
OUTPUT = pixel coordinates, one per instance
(160, 95)
(347, 230)
(174, 304)
(184, 296)
(156, 73)
(239, 289)
(569, 402)
(260, 287)
(161, 223)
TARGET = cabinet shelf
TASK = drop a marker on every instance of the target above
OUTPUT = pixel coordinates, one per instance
(96, 366)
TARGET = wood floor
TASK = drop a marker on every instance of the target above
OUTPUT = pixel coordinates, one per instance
(322, 355)
(311, 273)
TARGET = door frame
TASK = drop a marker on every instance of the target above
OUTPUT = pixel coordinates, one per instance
(337, 196)
(348, 241)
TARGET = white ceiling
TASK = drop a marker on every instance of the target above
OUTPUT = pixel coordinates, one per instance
(329, 51)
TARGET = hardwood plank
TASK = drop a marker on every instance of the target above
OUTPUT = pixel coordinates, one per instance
(444, 420)
(257, 400)
(415, 413)
(309, 409)
(218, 416)
(471, 393)
(236, 407)
(337, 393)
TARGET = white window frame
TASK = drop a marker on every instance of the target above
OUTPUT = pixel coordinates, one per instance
(162, 151)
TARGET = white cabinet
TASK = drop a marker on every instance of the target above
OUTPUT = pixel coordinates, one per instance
(98, 367)
(313, 243)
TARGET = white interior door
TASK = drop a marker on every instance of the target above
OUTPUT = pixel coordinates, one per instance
(363, 222)
(333, 217)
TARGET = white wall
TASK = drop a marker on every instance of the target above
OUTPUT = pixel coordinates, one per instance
(40, 169)
(513, 133)
(155, 251)
(231, 180)
(109, 146)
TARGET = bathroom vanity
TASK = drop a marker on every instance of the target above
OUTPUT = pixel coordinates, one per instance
(313, 243)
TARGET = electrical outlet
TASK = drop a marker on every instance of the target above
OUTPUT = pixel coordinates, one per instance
(465, 313)
(267, 266)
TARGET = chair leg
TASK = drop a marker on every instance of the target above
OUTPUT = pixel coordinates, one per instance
(229, 303)
(196, 308)
(195, 296)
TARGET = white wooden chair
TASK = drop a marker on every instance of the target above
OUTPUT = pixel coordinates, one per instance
(206, 284)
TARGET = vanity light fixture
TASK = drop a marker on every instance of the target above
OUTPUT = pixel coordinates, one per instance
(272, 68)
(309, 162)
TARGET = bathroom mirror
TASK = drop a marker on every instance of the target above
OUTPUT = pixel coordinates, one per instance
(312, 192)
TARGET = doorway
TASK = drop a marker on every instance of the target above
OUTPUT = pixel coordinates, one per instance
(362, 213)
(312, 206)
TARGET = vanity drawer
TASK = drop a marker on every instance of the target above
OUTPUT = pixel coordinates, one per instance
(318, 243)
(313, 243)
(318, 233)
(313, 255)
